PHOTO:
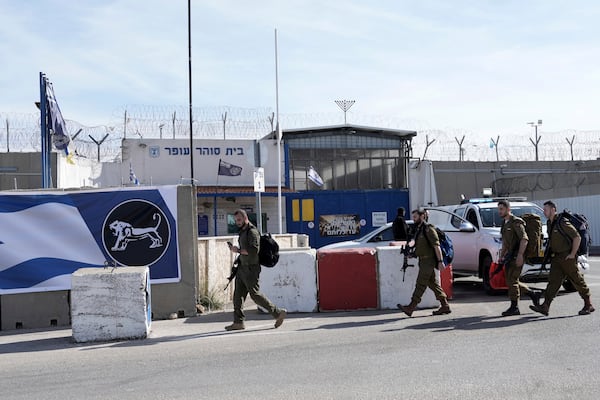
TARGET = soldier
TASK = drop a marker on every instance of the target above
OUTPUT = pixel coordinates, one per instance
(246, 279)
(514, 243)
(427, 249)
(564, 243)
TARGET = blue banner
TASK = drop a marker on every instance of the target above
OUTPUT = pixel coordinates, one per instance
(45, 237)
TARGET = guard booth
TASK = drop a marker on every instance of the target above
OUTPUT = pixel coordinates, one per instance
(345, 180)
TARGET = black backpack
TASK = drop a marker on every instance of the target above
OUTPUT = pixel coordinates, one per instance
(268, 253)
(580, 222)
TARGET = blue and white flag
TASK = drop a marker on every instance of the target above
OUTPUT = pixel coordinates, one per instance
(31, 256)
(60, 136)
(314, 176)
(45, 237)
(228, 169)
(132, 178)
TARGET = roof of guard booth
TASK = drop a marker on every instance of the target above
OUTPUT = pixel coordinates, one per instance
(347, 129)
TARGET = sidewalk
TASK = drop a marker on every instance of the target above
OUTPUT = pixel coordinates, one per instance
(207, 324)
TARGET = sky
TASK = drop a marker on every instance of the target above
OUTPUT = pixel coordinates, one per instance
(485, 67)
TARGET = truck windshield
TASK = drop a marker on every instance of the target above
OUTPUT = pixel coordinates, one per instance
(491, 219)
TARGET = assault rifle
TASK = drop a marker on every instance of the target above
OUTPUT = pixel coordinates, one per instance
(409, 252)
(547, 255)
(234, 270)
(503, 262)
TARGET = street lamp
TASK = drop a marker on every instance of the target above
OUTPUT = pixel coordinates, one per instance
(345, 106)
(537, 139)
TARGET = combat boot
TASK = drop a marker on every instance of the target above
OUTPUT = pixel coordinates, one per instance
(588, 308)
(409, 309)
(535, 296)
(280, 317)
(543, 309)
(444, 307)
(512, 310)
(236, 326)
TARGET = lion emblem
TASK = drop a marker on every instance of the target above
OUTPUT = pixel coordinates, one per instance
(125, 233)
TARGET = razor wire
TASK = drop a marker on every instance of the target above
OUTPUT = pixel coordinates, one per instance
(21, 133)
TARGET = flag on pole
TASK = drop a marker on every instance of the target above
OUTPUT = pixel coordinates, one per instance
(314, 176)
(132, 178)
(228, 169)
(58, 128)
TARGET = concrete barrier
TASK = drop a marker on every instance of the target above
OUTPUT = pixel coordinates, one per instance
(292, 283)
(110, 303)
(347, 279)
(215, 261)
(396, 286)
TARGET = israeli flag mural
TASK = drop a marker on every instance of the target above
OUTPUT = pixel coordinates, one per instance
(46, 236)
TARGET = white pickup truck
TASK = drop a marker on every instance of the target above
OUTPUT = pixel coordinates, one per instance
(474, 253)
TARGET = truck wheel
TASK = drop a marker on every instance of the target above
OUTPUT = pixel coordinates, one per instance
(568, 286)
(486, 263)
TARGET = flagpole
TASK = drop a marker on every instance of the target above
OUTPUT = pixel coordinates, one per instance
(215, 205)
(44, 133)
(278, 137)
(190, 91)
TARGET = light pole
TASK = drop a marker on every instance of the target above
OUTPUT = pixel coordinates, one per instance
(345, 106)
(537, 139)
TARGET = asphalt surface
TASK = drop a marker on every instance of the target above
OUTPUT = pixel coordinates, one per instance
(472, 353)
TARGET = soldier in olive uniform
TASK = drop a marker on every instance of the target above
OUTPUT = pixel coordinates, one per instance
(246, 278)
(564, 243)
(514, 243)
(428, 250)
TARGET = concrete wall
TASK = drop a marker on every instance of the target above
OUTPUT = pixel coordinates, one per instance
(181, 298)
(35, 310)
(535, 180)
(25, 169)
(572, 184)
(215, 262)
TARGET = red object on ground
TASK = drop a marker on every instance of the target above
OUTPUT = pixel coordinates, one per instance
(447, 280)
(347, 279)
(497, 281)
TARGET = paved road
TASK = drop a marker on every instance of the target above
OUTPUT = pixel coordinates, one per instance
(470, 354)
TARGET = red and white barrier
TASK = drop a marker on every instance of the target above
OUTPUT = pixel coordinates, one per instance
(347, 279)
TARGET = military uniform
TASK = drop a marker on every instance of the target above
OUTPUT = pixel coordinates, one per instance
(424, 250)
(248, 273)
(513, 231)
(560, 267)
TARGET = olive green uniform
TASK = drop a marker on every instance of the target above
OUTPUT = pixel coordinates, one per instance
(513, 231)
(248, 273)
(560, 267)
(424, 250)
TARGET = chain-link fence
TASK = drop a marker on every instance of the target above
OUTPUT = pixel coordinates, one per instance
(21, 133)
